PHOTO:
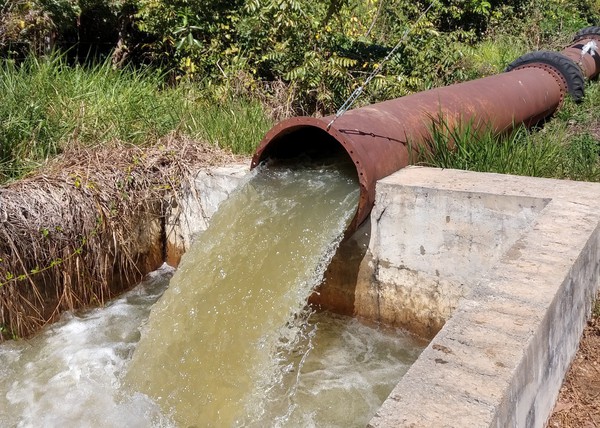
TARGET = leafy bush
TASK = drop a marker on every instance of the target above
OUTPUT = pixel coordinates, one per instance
(85, 28)
(322, 49)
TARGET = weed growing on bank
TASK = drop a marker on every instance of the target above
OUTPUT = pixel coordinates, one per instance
(48, 106)
(567, 146)
(89, 225)
(551, 152)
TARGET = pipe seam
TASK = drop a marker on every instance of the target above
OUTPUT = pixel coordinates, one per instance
(571, 73)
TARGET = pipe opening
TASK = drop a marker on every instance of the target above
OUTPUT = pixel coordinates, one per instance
(310, 142)
(303, 142)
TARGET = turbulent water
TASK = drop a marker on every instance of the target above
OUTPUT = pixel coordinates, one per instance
(212, 338)
(342, 372)
(70, 375)
(230, 342)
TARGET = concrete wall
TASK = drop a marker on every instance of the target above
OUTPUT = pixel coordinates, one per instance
(430, 246)
(523, 299)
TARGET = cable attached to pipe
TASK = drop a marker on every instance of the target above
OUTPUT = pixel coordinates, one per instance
(358, 91)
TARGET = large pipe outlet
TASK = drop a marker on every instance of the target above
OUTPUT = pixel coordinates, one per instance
(376, 138)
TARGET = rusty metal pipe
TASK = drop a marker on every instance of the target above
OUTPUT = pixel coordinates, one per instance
(376, 138)
(589, 61)
(589, 64)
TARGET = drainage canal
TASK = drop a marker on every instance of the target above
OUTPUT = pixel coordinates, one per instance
(230, 342)
(227, 343)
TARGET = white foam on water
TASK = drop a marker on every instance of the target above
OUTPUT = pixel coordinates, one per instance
(275, 364)
(341, 372)
(70, 374)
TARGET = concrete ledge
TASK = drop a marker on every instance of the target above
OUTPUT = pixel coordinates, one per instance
(209, 188)
(523, 298)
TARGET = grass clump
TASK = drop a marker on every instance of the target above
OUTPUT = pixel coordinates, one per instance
(519, 152)
(48, 106)
(470, 149)
(566, 147)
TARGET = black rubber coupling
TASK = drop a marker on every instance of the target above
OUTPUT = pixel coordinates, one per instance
(563, 65)
(587, 33)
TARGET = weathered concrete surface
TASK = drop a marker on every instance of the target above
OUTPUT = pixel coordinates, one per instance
(520, 301)
(430, 245)
(427, 247)
(210, 187)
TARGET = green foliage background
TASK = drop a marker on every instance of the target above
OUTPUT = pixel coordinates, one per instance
(322, 49)
(93, 72)
(115, 73)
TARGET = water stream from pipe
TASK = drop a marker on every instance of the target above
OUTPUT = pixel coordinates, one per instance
(230, 343)
(237, 300)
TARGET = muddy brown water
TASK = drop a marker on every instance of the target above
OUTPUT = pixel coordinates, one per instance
(228, 341)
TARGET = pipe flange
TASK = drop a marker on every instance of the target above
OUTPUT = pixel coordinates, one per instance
(560, 80)
(565, 66)
(587, 33)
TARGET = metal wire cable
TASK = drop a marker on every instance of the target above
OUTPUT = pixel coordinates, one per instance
(358, 91)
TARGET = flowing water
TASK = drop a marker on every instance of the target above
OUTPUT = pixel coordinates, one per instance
(70, 375)
(230, 342)
(345, 370)
(239, 291)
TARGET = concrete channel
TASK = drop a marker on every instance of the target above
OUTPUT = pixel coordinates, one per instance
(499, 271)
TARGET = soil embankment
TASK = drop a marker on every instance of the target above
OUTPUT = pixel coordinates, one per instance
(88, 226)
(578, 404)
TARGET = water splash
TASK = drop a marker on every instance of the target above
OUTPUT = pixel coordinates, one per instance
(213, 336)
(72, 374)
(339, 373)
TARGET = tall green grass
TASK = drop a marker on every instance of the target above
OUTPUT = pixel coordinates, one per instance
(47, 105)
(490, 56)
(567, 146)
(552, 152)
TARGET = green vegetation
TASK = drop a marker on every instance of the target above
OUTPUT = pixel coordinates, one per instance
(131, 89)
(596, 309)
(92, 72)
(321, 48)
(48, 106)
(469, 150)
(567, 147)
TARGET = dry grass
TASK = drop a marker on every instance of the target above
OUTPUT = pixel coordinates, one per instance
(78, 232)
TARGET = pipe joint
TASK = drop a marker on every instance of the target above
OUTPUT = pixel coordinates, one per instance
(569, 72)
(585, 50)
(587, 33)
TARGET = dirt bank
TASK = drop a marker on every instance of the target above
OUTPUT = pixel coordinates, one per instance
(89, 225)
(578, 405)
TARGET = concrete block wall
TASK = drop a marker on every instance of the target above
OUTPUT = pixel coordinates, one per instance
(500, 358)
